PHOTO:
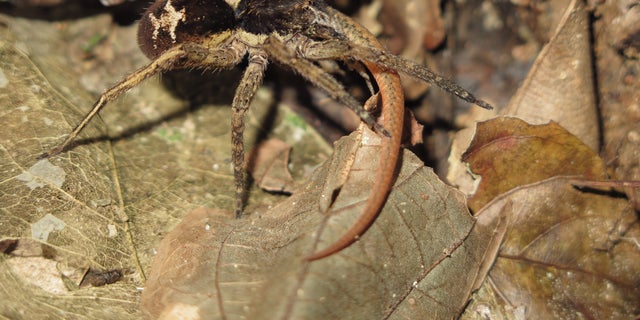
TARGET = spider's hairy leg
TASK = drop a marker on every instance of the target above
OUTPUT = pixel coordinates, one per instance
(341, 49)
(251, 81)
(391, 61)
(287, 56)
(164, 62)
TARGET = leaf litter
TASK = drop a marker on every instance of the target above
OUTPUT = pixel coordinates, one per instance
(591, 274)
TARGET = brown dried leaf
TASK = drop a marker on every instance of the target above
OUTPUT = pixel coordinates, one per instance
(560, 85)
(508, 152)
(414, 25)
(268, 164)
(567, 254)
(411, 27)
(421, 258)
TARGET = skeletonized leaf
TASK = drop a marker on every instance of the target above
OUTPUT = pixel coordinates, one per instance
(67, 205)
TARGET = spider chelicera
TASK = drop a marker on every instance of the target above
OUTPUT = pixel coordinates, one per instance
(216, 34)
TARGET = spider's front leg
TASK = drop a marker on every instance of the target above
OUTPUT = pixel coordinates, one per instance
(393, 62)
(354, 46)
(286, 55)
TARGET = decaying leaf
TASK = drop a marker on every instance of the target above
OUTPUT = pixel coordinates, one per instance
(421, 258)
(508, 152)
(567, 254)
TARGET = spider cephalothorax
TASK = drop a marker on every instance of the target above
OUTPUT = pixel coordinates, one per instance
(286, 17)
(214, 34)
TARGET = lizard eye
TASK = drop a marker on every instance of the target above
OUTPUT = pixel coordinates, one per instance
(170, 22)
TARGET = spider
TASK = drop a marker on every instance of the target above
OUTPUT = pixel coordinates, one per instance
(216, 34)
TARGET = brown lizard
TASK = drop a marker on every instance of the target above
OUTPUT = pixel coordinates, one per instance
(392, 97)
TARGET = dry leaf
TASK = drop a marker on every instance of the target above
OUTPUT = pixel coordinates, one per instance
(268, 164)
(567, 254)
(421, 258)
(407, 27)
(411, 26)
(507, 152)
(560, 86)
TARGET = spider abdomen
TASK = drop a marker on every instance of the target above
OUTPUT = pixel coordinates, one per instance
(169, 22)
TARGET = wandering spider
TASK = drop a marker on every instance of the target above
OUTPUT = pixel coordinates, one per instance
(215, 34)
